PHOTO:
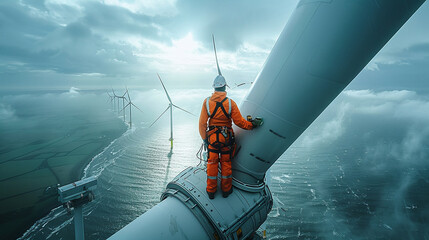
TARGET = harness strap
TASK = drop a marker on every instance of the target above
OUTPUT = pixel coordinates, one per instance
(219, 151)
(219, 105)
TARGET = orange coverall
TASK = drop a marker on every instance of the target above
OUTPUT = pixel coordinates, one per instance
(224, 154)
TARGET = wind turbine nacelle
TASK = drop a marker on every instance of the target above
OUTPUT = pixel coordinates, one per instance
(236, 217)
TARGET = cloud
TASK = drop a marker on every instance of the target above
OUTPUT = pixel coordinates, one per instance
(128, 39)
(330, 130)
(377, 165)
(236, 22)
(368, 109)
(87, 44)
(74, 90)
(150, 8)
(6, 112)
(415, 52)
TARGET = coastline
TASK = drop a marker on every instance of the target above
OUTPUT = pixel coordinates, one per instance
(27, 174)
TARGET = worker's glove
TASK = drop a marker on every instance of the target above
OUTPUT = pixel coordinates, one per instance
(257, 122)
(206, 144)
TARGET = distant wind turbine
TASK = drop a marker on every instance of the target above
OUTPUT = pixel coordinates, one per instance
(116, 97)
(130, 103)
(123, 101)
(111, 98)
(170, 106)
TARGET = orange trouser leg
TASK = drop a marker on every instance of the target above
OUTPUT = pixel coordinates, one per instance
(225, 164)
(212, 170)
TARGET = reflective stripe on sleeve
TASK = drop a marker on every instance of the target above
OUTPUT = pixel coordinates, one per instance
(210, 177)
(229, 109)
(208, 106)
(226, 177)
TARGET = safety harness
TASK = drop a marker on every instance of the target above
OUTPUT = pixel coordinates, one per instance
(227, 132)
(219, 105)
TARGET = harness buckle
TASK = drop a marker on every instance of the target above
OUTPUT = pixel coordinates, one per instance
(224, 132)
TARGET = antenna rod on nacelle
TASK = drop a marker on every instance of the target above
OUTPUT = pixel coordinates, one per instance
(217, 63)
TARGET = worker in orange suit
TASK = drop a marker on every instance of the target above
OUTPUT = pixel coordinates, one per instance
(219, 111)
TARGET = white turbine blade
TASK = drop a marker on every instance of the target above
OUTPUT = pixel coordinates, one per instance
(129, 99)
(238, 85)
(217, 63)
(136, 107)
(125, 107)
(160, 116)
(109, 97)
(184, 110)
(169, 99)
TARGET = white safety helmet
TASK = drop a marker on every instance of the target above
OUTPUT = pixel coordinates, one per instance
(219, 82)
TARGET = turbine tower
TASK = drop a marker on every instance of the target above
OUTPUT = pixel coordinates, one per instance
(123, 102)
(116, 97)
(322, 48)
(130, 104)
(170, 106)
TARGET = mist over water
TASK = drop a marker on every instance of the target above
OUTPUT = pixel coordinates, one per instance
(46, 139)
(359, 172)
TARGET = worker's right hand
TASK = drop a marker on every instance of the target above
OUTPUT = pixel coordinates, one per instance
(257, 122)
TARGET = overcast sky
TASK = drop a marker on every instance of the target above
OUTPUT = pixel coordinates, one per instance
(58, 44)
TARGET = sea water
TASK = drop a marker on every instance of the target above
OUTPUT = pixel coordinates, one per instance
(47, 139)
(359, 172)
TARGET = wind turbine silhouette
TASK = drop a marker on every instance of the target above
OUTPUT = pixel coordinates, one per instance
(123, 102)
(116, 97)
(111, 98)
(170, 106)
(130, 103)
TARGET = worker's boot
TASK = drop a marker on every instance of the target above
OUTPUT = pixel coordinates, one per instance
(211, 195)
(226, 194)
